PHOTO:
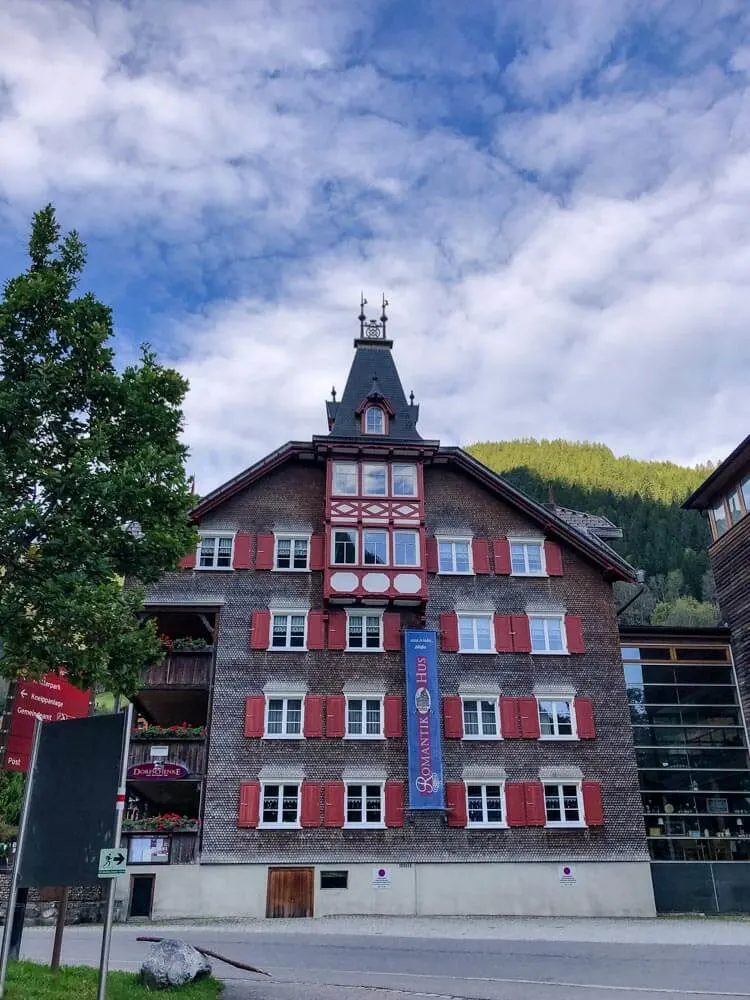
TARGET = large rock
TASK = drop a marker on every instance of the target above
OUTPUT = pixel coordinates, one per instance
(172, 963)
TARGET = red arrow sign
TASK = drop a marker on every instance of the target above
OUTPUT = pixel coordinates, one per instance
(51, 698)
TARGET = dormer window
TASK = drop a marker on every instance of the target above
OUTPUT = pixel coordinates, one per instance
(374, 420)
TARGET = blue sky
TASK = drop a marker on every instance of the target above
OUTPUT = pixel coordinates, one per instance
(554, 194)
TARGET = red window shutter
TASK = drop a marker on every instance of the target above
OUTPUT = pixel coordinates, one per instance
(260, 630)
(529, 712)
(393, 716)
(255, 716)
(585, 726)
(521, 633)
(243, 551)
(574, 633)
(515, 803)
(481, 555)
(309, 813)
(449, 633)
(534, 795)
(394, 803)
(392, 631)
(264, 552)
(553, 559)
(501, 554)
(432, 555)
(510, 719)
(503, 634)
(188, 561)
(455, 803)
(593, 805)
(315, 630)
(313, 728)
(317, 551)
(453, 718)
(337, 630)
(333, 803)
(249, 810)
(335, 712)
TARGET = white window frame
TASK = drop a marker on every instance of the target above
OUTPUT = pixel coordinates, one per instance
(549, 652)
(291, 537)
(334, 491)
(481, 735)
(404, 465)
(217, 535)
(364, 613)
(364, 782)
(281, 782)
(527, 571)
(415, 535)
(364, 698)
(381, 531)
(559, 783)
(455, 540)
(374, 408)
(374, 465)
(484, 822)
(355, 532)
(477, 614)
(290, 613)
(568, 699)
(285, 697)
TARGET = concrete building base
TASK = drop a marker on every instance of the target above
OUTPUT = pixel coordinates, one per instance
(590, 889)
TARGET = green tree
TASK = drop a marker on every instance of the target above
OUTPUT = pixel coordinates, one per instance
(11, 799)
(92, 479)
(685, 611)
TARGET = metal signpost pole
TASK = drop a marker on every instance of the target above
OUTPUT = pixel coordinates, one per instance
(109, 912)
(19, 854)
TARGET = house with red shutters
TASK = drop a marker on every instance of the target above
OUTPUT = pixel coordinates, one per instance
(331, 575)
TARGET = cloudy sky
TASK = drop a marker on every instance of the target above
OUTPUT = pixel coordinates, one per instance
(554, 194)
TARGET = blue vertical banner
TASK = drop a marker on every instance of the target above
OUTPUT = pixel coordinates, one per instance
(423, 720)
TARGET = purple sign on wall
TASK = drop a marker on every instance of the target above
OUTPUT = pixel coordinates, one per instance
(156, 771)
(423, 720)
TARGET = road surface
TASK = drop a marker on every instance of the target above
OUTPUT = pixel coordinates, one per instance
(392, 959)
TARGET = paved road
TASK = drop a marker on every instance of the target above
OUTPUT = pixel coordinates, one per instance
(533, 960)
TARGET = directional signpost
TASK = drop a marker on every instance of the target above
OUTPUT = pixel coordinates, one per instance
(112, 862)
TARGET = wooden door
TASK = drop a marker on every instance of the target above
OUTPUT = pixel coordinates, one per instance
(141, 895)
(290, 892)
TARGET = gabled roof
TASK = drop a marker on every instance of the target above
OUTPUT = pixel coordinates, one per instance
(722, 478)
(589, 546)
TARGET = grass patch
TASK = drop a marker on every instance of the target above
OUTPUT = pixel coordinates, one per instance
(29, 981)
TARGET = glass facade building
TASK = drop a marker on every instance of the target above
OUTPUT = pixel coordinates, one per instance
(691, 743)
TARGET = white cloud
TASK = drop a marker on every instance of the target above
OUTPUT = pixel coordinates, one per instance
(561, 228)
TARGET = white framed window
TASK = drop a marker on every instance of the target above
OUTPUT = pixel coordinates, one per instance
(374, 547)
(547, 634)
(284, 717)
(405, 548)
(374, 480)
(364, 718)
(215, 550)
(527, 558)
(475, 633)
(404, 479)
(556, 718)
(345, 479)
(454, 556)
(364, 804)
(280, 802)
(344, 544)
(480, 718)
(292, 552)
(364, 632)
(563, 803)
(484, 804)
(374, 420)
(288, 629)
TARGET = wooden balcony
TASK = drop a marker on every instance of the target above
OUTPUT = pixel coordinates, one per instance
(181, 670)
(191, 753)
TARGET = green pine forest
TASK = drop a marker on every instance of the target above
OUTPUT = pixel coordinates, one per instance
(643, 498)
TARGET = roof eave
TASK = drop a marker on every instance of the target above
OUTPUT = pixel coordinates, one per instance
(701, 498)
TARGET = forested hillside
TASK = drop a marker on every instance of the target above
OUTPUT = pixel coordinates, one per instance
(642, 498)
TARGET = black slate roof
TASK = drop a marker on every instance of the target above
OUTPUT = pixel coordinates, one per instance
(373, 374)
